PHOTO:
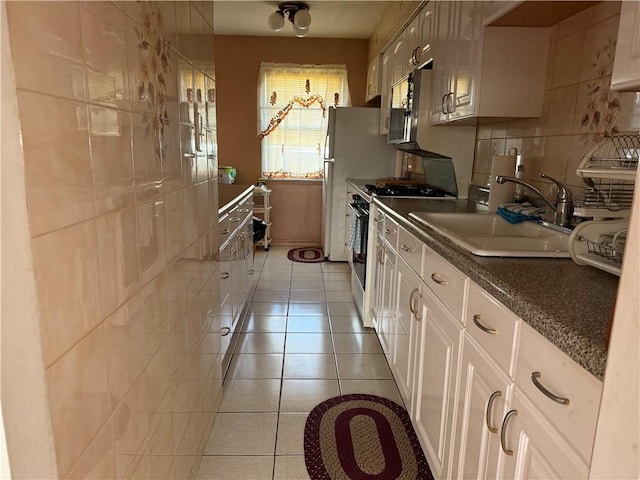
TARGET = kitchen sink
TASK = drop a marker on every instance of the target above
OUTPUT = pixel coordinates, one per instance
(489, 235)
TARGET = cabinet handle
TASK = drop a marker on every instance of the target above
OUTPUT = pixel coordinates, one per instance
(444, 107)
(224, 231)
(226, 331)
(224, 275)
(416, 51)
(234, 219)
(436, 278)
(451, 105)
(415, 295)
(251, 271)
(388, 231)
(561, 400)
(476, 320)
(386, 123)
(243, 210)
(407, 248)
(251, 204)
(503, 432)
(487, 416)
(377, 220)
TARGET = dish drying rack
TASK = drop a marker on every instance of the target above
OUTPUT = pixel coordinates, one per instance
(599, 244)
(609, 171)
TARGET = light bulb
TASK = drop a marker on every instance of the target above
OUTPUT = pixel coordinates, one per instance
(302, 19)
(300, 32)
(276, 21)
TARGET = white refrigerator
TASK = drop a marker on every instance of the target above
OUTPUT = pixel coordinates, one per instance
(353, 149)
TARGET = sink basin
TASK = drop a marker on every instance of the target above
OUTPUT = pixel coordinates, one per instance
(489, 235)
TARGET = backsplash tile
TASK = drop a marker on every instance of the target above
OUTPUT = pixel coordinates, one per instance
(579, 106)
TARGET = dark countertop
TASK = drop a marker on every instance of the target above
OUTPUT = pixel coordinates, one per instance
(567, 303)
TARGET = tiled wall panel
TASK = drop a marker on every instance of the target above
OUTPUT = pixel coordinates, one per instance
(123, 241)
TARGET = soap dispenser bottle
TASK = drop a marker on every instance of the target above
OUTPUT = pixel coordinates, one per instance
(518, 190)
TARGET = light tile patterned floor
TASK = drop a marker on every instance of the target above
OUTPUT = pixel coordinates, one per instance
(301, 343)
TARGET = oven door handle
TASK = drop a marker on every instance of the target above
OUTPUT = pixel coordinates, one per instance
(358, 211)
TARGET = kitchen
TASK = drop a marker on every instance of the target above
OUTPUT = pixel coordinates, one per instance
(570, 37)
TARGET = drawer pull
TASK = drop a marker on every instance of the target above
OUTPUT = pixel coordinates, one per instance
(487, 417)
(234, 219)
(491, 331)
(534, 378)
(251, 204)
(251, 271)
(226, 331)
(224, 275)
(407, 248)
(436, 278)
(503, 433)
(377, 220)
(224, 231)
(243, 210)
(388, 231)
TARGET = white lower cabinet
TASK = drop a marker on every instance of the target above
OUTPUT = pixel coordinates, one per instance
(436, 358)
(488, 396)
(407, 316)
(532, 446)
(384, 301)
(484, 392)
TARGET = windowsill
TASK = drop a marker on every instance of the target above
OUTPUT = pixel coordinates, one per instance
(293, 180)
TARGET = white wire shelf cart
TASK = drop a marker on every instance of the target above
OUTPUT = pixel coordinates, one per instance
(262, 209)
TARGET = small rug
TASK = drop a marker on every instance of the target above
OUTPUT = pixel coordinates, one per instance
(362, 437)
(306, 255)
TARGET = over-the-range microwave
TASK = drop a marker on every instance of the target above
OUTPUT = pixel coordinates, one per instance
(404, 114)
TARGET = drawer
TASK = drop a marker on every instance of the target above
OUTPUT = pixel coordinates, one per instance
(410, 249)
(576, 417)
(390, 231)
(235, 219)
(493, 326)
(447, 282)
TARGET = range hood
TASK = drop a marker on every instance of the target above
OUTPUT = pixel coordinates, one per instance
(452, 143)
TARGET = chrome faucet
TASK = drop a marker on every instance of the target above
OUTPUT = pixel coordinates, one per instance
(563, 208)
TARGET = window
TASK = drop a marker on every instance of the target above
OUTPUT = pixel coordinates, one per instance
(292, 103)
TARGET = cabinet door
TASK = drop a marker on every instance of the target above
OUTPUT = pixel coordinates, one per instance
(412, 33)
(385, 101)
(406, 324)
(387, 300)
(426, 25)
(373, 78)
(442, 60)
(436, 376)
(535, 448)
(467, 51)
(484, 393)
(400, 54)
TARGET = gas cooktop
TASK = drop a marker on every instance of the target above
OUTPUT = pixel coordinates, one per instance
(404, 191)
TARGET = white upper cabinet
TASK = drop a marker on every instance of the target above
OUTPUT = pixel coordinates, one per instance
(385, 100)
(374, 74)
(485, 71)
(626, 65)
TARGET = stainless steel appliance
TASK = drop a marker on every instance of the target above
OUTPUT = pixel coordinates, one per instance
(353, 148)
(442, 187)
(411, 132)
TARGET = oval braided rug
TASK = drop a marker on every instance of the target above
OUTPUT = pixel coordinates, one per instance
(306, 255)
(362, 437)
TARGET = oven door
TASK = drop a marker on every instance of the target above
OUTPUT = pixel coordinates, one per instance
(358, 241)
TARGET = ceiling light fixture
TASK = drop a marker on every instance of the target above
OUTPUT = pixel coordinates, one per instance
(296, 12)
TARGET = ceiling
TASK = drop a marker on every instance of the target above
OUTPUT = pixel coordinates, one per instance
(329, 19)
